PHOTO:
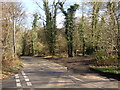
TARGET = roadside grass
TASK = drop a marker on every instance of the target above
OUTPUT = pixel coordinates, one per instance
(108, 69)
(11, 66)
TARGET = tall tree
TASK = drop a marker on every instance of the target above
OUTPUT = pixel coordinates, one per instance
(35, 33)
(69, 25)
(112, 9)
(81, 31)
(118, 37)
(50, 25)
(12, 12)
(95, 13)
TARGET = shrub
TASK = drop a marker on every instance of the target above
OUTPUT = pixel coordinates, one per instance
(11, 65)
(101, 59)
(100, 55)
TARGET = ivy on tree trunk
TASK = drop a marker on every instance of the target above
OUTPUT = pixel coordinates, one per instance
(69, 25)
(50, 26)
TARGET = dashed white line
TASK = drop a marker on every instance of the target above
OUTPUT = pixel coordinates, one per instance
(17, 80)
(27, 80)
(23, 73)
(18, 84)
(29, 83)
(16, 75)
(25, 76)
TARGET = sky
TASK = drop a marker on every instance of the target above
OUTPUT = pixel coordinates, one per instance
(31, 7)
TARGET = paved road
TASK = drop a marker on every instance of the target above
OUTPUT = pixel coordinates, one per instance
(41, 73)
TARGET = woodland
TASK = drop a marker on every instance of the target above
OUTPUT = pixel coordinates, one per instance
(95, 33)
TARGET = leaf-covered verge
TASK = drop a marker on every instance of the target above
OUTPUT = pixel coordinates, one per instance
(10, 67)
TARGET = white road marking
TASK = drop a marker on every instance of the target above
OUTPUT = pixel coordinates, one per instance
(27, 80)
(23, 73)
(25, 76)
(29, 83)
(16, 75)
(18, 84)
(17, 80)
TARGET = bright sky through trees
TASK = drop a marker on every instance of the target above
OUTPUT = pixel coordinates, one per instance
(32, 7)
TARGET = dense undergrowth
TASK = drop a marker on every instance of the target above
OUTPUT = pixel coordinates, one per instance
(11, 66)
(105, 63)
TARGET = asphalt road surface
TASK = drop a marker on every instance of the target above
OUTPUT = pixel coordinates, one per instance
(41, 73)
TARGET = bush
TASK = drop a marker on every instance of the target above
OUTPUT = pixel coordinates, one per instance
(11, 65)
(101, 59)
(100, 55)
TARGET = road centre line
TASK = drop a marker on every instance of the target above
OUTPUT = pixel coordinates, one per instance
(26, 79)
(23, 73)
(17, 80)
(29, 83)
(16, 75)
(25, 76)
(18, 84)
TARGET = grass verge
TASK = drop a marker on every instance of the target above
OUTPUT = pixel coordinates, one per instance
(108, 69)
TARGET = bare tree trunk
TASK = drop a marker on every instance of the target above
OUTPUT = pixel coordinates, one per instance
(14, 38)
(1, 37)
(70, 49)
